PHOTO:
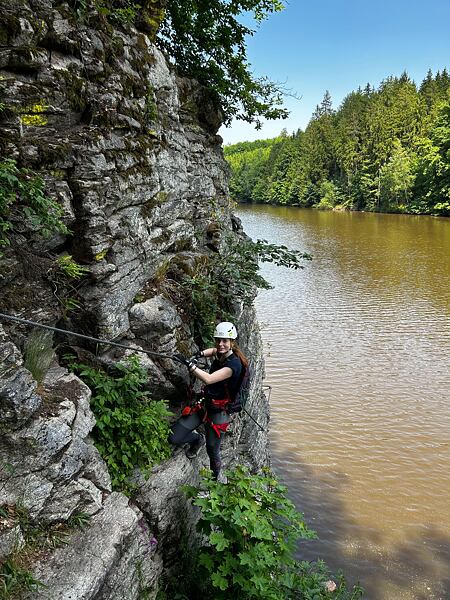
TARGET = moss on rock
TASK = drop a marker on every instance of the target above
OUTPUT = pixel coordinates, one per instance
(34, 116)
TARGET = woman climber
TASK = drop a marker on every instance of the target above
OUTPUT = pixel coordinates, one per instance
(222, 384)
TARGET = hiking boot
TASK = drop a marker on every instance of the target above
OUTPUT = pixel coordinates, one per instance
(194, 447)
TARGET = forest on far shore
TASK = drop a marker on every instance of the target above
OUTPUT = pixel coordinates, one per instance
(384, 149)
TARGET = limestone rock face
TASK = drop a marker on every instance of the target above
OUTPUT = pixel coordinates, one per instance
(128, 148)
(49, 465)
(130, 151)
(11, 540)
(108, 560)
(18, 400)
(154, 318)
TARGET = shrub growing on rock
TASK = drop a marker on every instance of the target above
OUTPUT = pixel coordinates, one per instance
(131, 429)
(251, 530)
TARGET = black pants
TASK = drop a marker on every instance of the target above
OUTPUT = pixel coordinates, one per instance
(183, 433)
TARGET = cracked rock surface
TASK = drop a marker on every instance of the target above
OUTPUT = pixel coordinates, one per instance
(49, 466)
(101, 561)
(130, 151)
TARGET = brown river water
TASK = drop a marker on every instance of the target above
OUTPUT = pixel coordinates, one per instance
(358, 353)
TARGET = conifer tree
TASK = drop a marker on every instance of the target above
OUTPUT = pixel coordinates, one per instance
(383, 149)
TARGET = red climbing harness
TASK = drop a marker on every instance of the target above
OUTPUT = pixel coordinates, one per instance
(220, 404)
(217, 427)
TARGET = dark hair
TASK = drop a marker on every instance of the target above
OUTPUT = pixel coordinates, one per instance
(239, 353)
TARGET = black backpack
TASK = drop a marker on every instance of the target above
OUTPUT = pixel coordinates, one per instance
(238, 402)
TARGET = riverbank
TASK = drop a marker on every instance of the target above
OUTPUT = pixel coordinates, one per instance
(324, 206)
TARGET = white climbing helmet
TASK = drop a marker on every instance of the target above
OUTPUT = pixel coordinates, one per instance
(225, 330)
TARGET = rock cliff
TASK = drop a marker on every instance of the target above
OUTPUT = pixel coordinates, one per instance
(131, 152)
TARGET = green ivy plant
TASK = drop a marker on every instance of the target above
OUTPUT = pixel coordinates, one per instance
(251, 530)
(22, 195)
(131, 429)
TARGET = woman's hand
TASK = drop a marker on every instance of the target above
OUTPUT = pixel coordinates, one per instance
(208, 378)
(192, 363)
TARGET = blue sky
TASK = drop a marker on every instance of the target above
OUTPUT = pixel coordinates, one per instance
(342, 44)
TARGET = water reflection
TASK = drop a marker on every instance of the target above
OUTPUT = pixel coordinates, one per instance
(358, 356)
(416, 566)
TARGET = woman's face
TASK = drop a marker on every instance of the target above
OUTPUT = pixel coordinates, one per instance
(223, 345)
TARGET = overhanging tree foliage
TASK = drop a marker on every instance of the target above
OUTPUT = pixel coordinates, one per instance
(207, 40)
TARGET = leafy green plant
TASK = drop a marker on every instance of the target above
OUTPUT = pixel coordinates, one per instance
(251, 530)
(68, 304)
(232, 275)
(15, 580)
(237, 270)
(70, 268)
(126, 14)
(131, 429)
(313, 581)
(78, 520)
(22, 195)
(120, 12)
(208, 41)
(39, 353)
(66, 277)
